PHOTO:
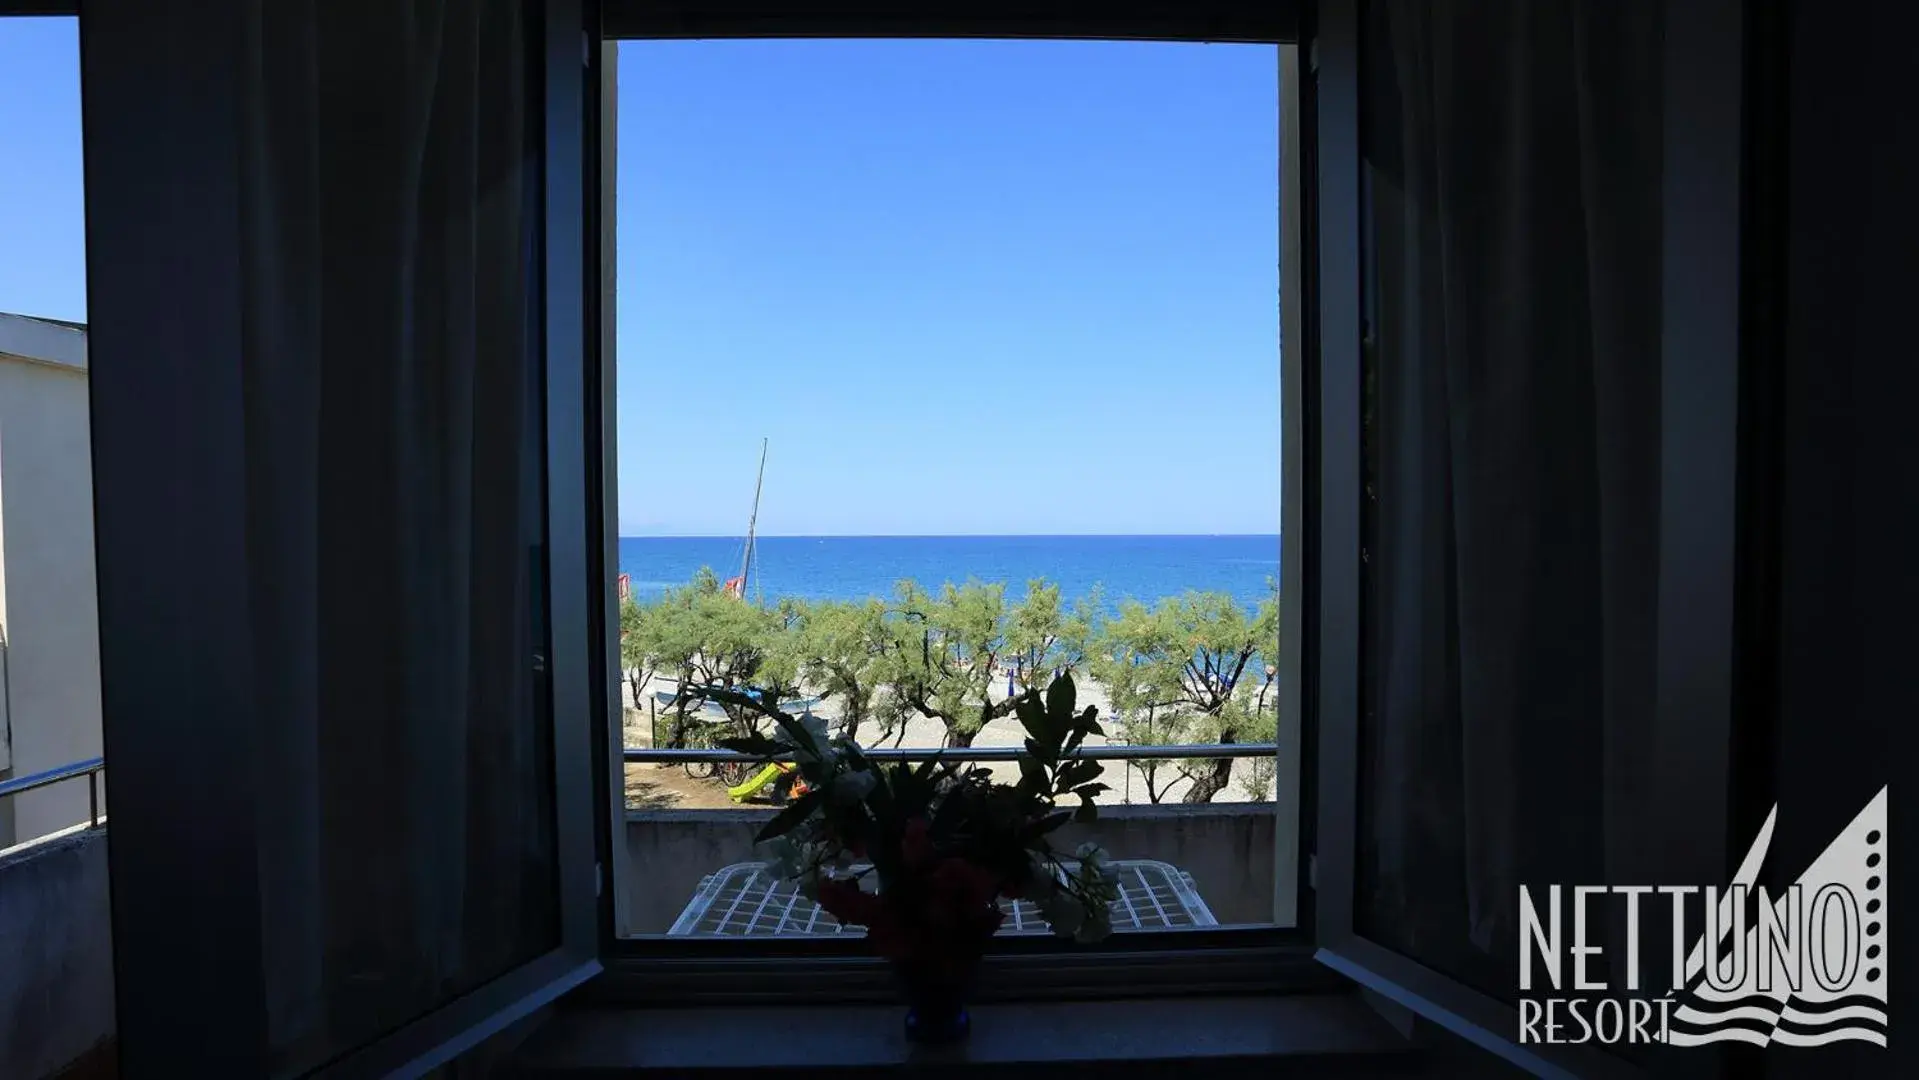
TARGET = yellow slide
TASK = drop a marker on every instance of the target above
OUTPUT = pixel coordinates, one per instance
(760, 780)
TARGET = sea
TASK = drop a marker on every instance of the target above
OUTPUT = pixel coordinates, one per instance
(1144, 568)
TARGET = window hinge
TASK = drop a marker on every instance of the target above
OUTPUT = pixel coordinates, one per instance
(1312, 872)
(1312, 56)
(599, 879)
(586, 49)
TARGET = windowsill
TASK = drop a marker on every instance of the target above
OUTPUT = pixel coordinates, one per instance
(1312, 1034)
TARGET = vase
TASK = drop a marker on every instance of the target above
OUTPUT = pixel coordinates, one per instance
(935, 1003)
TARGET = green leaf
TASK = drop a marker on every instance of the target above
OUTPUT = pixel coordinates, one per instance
(1059, 699)
(1041, 753)
(881, 798)
(789, 818)
(1087, 791)
(1074, 773)
(1032, 775)
(1048, 823)
(797, 732)
(1089, 721)
(1088, 810)
(1032, 715)
(855, 758)
(951, 807)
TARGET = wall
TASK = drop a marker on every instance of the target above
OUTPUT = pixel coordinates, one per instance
(1226, 847)
(51, 673)
(56, 982)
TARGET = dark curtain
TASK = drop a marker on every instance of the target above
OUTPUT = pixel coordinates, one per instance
(395, 490)
(1512, 162)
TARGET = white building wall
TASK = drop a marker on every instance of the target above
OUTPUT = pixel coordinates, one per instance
(50, 693)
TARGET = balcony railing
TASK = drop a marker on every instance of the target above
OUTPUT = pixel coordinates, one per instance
(90, 768)
(1109, 752)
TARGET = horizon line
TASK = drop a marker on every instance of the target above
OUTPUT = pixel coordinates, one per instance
(955, 536)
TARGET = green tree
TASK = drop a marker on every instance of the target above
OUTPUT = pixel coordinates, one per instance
(639, 646)
(1133, 660)
(1043, 638)
(842, 649)
(941, 657)
(1176, 673)
(1257, 774)
(671, 630)
(731, 640)
(784, 651)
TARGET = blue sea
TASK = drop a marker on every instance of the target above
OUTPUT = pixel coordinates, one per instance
(855, 567)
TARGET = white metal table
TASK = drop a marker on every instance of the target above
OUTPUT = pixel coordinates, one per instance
(749, 900)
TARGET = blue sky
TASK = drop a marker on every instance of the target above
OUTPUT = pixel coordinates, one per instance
(963, 287)
(42, 220)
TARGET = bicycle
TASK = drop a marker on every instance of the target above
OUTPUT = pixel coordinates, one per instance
(706, 735)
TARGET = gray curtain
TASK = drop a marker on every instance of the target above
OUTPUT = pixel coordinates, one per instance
(394, 471)
(1513, 170)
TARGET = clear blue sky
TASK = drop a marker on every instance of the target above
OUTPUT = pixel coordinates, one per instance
(964, 287)
(42, 220)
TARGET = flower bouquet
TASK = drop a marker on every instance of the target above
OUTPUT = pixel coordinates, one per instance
(920, 855)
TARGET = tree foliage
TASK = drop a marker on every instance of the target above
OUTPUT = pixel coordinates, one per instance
(1197, 668)
(1178, 672)
(840, 649)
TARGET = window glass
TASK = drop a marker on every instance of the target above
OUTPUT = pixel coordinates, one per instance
(944, 367)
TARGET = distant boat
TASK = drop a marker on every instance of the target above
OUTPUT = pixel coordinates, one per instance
(736, 586)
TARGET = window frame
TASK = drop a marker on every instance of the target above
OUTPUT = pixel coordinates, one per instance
(1713, 681)
(165, 257)
(653, 968)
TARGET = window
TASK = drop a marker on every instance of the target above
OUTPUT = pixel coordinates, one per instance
(1513, 461)
(379, 613)
(341, 547)
(947, 367)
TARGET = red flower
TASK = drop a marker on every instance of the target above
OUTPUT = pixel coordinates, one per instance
(846, 901)
(967, 885)
(890, 938)
(916, 844)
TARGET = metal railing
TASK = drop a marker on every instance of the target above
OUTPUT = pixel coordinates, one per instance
(90, 768)
(671, 756)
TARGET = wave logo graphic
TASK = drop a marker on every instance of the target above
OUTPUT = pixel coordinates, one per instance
(1804, 969)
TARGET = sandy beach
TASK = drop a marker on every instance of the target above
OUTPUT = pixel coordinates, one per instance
(652, 786)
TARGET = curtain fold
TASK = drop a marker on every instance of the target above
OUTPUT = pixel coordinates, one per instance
(1513, 171)
(397, 510)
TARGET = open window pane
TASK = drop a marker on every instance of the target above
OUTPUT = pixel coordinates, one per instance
(1001, 319)
(342, 611)
(413, 852)
(1547, 533)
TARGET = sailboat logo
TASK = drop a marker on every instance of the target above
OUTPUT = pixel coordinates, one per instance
(1807, 968)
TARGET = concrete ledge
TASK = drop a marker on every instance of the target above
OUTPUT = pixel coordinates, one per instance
(1329, 1035)
(56, 984)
